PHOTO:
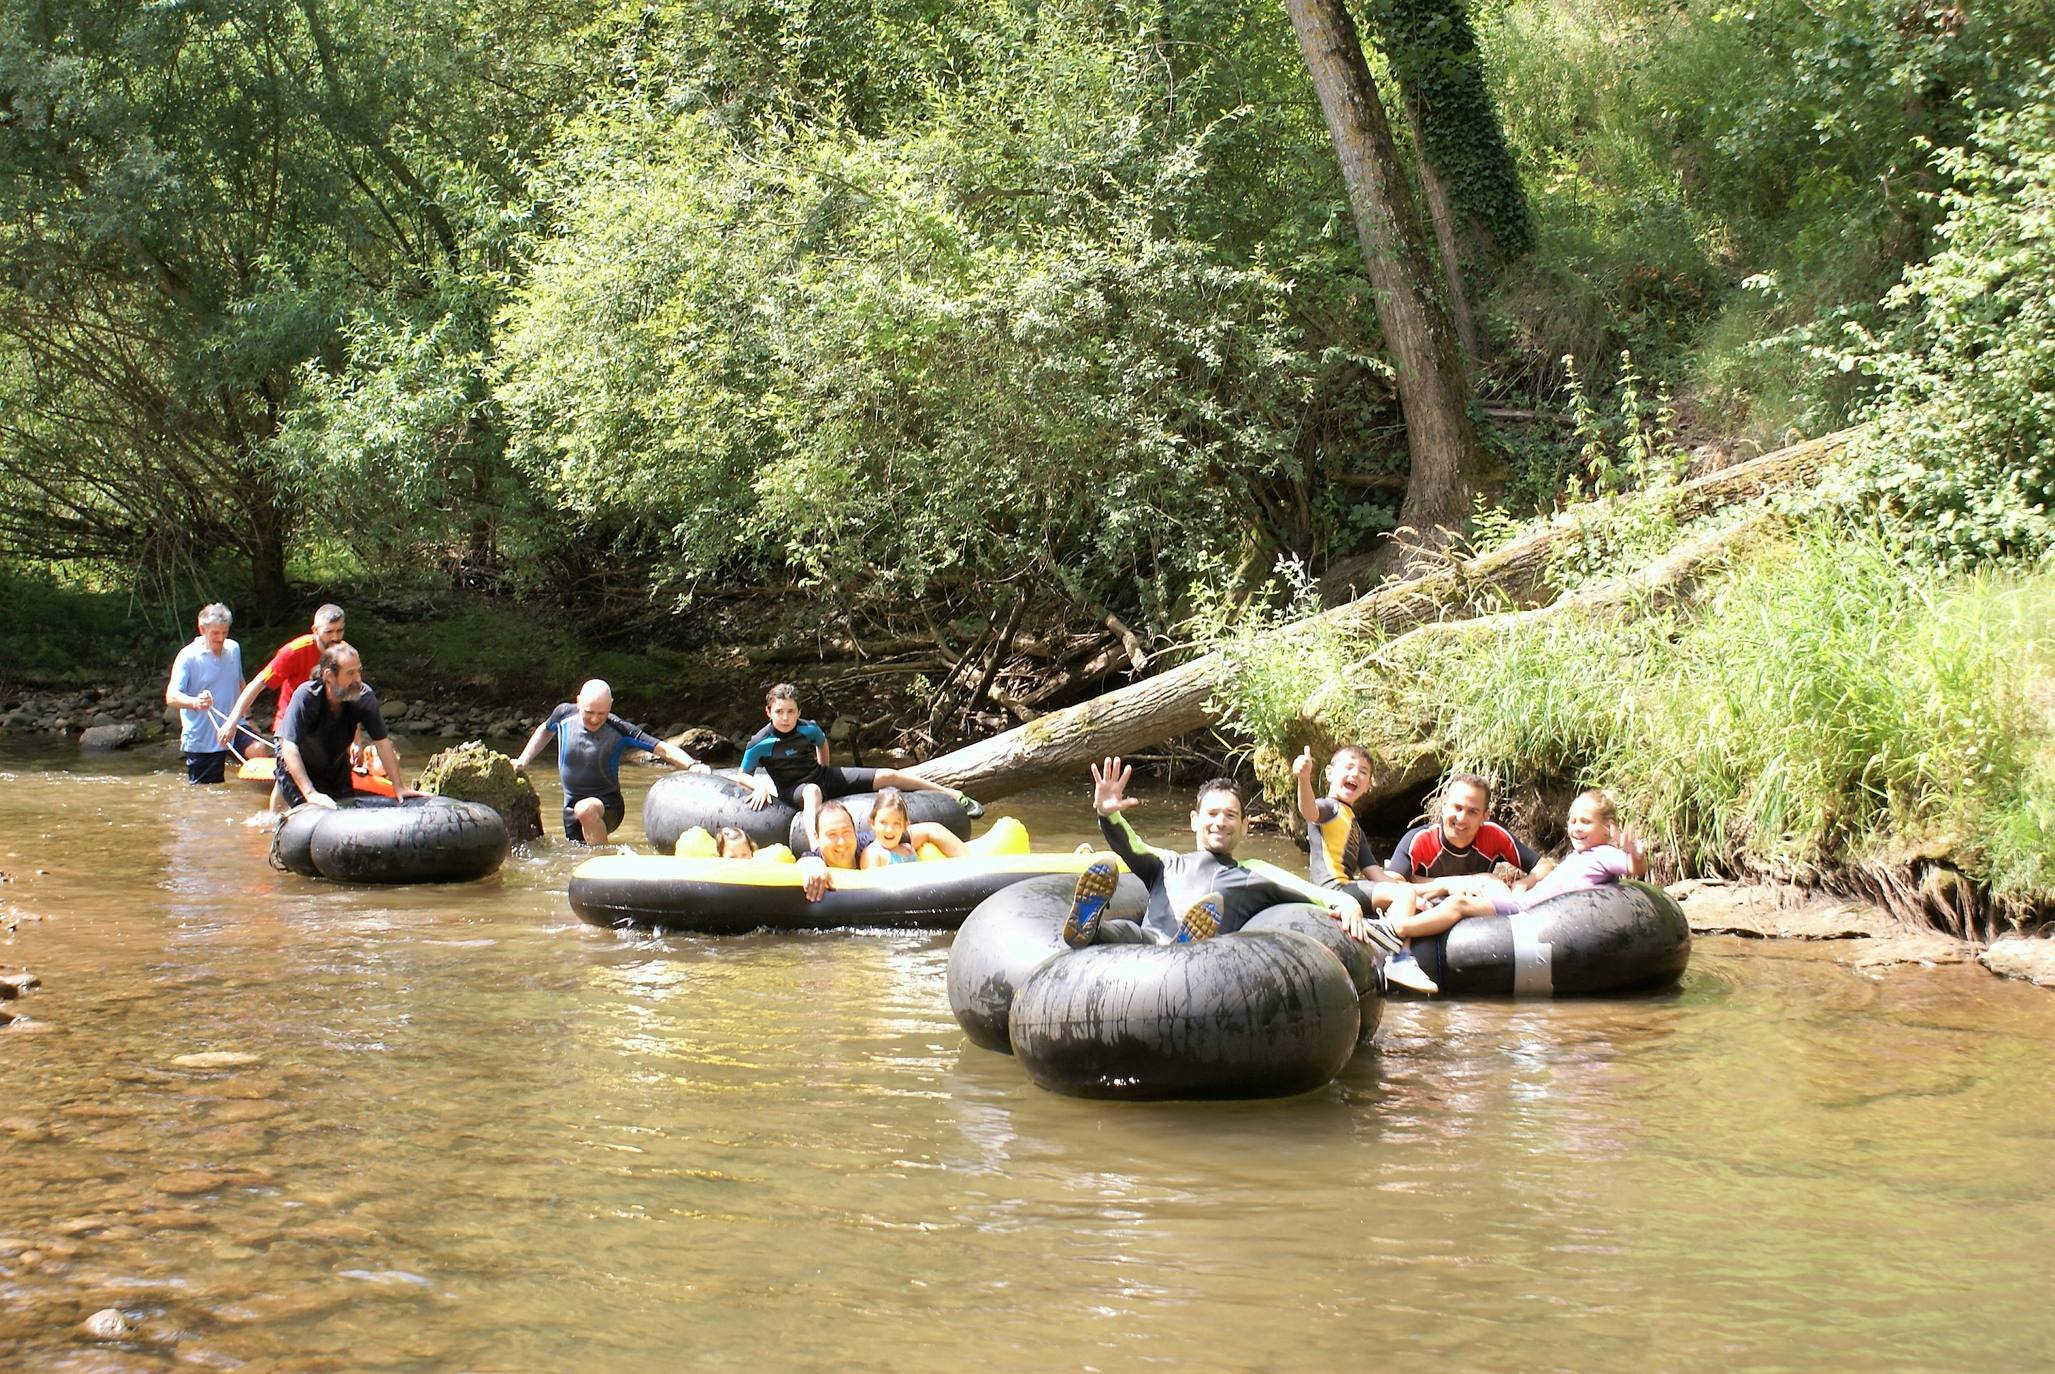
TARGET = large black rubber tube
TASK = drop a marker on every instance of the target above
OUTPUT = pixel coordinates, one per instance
(1010, 935)
(1623, 937)
(1359, 959)
(679, 801)
(1269, 1014)
(433, 840)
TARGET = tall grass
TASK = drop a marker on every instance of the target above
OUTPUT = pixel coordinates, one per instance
(1824, 706)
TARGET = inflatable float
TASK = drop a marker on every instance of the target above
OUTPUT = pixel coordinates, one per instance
(1014, 932)
(734, 896)
(677, 802)
(262, 773)
(1263, 1013)
(419, 840)
(1271, 1010)
(1622, 937)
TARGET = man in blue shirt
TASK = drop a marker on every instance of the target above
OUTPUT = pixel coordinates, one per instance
(208, 670)
(590, 742)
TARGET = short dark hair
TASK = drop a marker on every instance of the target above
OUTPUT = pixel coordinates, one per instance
(826, 807)
(1212, 785)
(784, 691)
(331, 656)
(1358, 750)
(1469, 780)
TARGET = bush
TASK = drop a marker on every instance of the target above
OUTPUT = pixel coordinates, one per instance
(1960, 462)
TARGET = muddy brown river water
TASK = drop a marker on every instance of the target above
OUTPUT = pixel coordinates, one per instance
(460, 1130)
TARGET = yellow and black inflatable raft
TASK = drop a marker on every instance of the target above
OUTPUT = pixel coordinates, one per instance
(734, 896)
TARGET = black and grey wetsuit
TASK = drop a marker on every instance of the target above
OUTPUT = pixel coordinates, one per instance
(1175, 881)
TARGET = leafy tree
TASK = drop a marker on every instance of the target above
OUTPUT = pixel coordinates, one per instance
(193, 199)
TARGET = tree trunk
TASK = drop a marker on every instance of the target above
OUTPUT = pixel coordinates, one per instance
(1443, 217)
(1447, 460)
(1178, 701)
(267, 562)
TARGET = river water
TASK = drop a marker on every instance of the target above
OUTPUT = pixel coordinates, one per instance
(476, 1134)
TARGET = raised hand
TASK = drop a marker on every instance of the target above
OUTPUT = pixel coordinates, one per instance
(1302, 766)
(1109, 787)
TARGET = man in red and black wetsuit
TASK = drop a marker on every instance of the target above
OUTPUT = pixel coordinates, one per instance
(1465, 840)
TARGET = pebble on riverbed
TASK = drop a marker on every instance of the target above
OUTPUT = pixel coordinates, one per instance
(217, 1059)
(108, 1324)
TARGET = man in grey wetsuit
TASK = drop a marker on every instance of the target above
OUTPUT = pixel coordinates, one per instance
(590, 742)
(1191, 896)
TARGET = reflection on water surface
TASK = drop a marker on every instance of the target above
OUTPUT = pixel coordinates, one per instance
(480, 1135)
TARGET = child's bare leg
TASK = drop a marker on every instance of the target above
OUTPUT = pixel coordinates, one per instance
(809, 811)
(1441, 916)
(914, 782)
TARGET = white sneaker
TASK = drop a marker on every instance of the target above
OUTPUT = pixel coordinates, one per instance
(1404, 971)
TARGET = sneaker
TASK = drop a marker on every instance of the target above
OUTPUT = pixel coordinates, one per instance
(1402, 970)
(1088, 903)
(1201, 920)
(972, 807)
(1385, 938)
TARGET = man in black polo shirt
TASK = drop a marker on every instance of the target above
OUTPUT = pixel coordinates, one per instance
(321, 721)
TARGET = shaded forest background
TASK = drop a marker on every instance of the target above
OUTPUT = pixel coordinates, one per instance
(972, 348)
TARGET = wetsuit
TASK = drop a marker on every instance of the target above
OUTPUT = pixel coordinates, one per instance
(1175, 881)
(1424, 853)
(791, 759)
(589, 762)
(323, 732)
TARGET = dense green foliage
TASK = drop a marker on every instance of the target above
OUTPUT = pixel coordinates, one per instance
(1432, 50)
(932, 308)
(1960, 461)
(932, 298)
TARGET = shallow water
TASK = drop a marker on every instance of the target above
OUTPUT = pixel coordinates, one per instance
(478, 1134)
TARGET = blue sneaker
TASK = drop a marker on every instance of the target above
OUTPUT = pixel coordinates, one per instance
(1201, 920)
(1088, 903)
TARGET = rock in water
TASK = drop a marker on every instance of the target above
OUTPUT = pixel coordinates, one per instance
(476, 773)
(108, 1324)
(101, 737)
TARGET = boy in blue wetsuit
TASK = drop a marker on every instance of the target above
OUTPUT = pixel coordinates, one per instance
(590, 742)
(1191, 896)
(793, 756)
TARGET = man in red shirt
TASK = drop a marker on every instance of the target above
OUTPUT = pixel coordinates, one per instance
(292, 665)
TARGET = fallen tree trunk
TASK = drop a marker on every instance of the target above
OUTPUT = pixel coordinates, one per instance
(1410, 754)
(1178, 701)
